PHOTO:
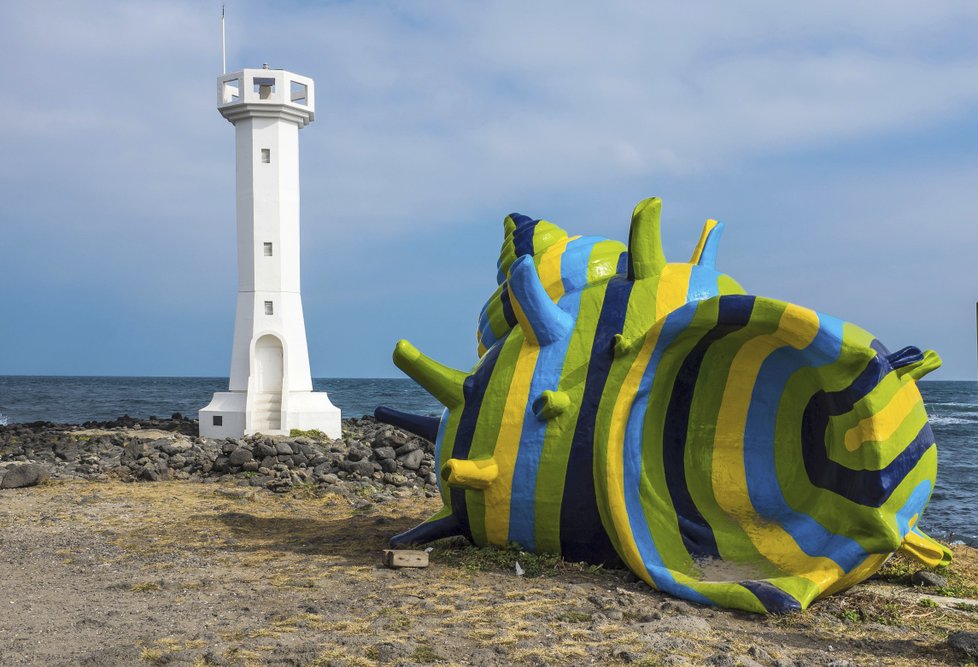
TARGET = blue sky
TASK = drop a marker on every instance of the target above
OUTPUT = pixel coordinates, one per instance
(837, 141)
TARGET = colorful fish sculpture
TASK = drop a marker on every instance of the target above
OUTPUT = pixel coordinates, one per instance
(728, 449)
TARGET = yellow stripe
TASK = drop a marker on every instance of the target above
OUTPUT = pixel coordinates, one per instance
(497, 496)
(882, 425)
(672, 288)
(798, 327)
(616, 446)
(549, 268)
(614, 470)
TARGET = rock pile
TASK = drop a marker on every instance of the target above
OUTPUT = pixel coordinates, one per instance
(369, 453)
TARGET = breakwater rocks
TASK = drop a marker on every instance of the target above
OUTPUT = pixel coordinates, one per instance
(369, 454)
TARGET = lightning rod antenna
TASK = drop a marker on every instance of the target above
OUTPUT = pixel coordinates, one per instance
(224, 53)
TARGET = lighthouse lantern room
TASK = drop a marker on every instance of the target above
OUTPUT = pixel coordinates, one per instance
(270, 388)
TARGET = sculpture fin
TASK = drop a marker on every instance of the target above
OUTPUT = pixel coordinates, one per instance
(425, 427)
(645, 254)
(440, 381)
(550, 404)
(542, 321)
(705, 253)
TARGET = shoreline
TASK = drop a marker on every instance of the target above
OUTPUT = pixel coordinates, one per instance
(369, 454)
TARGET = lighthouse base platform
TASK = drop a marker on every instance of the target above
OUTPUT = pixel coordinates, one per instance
(231, 414)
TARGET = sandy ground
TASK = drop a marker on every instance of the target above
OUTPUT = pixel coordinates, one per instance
(197, 574)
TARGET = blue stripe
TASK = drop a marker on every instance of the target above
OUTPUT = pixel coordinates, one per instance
(775, 600)
(574, 262)
(473, 389)
(703, 284)
(508, 313)
(523, 238)
(549, 366)
(913, 507)
(871, 488)
(622, 268)
(759, 457)
(733, 314)
(582, 534)
(641, 530)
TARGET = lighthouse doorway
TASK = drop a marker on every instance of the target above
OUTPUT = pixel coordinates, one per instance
(267, 406)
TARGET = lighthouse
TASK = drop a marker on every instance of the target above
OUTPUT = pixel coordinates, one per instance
(270, 388)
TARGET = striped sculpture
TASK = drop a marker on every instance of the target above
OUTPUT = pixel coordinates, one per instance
(728, 449)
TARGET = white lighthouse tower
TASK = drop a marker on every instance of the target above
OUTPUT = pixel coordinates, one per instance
(271, 386)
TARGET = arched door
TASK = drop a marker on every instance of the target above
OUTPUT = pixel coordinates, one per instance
(266, 404)
(268, 364)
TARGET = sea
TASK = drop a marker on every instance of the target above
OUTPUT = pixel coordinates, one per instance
(953, 408)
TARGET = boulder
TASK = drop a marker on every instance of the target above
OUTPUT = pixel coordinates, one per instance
(928, 579)
(28, 474)
(412, 460)
(240, 456)
(966, 642)
(382, 453)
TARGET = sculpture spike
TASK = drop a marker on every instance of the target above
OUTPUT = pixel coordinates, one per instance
(645, 254)
(440, 381)
(550, 404)
(919, 367)
(429, 531)
(621, 345)
(475, 474)
(542, 321)
(424, 427)
(705, 253)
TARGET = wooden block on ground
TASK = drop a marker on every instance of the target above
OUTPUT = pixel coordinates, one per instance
(405, 558)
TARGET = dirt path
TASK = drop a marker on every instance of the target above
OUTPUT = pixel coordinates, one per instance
(197, 574)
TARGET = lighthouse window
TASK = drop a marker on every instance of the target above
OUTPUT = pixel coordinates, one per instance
(218, 420)
(269, 310)
(268, 249)
(230, 91)
(266, 155)
(300, 93)
(264, 86)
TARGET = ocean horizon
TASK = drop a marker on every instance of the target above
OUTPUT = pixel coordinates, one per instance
(951, 405)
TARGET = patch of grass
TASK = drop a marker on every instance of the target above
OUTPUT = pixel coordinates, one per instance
(313, 433)
(460, 553)
(153, 656)
(927, 602)
(425, 654)
(898, 569)
(145, 587)
(966, 606)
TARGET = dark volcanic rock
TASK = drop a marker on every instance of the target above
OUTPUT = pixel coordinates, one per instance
(412, 460)
(966, 642)
(28, 474)
(349, 464)
(240, 456)
(928, 578)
